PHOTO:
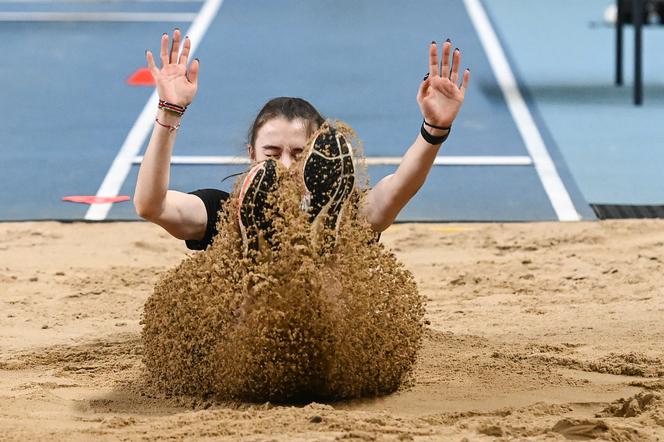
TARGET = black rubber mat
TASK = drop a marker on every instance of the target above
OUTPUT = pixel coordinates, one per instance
(624, 211)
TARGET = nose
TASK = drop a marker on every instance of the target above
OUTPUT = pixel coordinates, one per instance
(286, 160)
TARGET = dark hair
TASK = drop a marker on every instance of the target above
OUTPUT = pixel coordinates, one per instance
(290, 108)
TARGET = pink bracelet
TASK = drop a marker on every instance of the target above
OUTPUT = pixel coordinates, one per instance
(170, 128)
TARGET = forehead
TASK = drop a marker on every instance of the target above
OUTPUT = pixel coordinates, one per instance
(282, 132)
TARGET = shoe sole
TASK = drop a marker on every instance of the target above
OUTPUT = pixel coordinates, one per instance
(259, 182)
(329, 177)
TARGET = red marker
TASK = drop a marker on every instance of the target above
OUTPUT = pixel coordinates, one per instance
(142, 77)
(91, 199)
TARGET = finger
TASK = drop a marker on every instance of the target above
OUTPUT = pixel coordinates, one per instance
(151, 64)
(192, 75)
(433, 59)
(465, 81)
(175, 47)
(184, 56)
(422, 91)
(445, 67)
(163, 54)
(456, 62)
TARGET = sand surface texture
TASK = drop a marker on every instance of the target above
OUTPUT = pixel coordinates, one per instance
(541, 331)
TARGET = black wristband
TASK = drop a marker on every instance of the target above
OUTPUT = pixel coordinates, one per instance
(432, 139)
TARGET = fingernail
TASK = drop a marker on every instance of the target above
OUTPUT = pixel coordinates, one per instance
(433, 42)
(456, 49)
(176, 29)
(448, 40)
(425, 77)
(186, 36)
(198, 60)
(165, 33)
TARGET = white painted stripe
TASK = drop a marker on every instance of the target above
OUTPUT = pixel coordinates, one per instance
(483, 161)
(203, 159)
(117, 174)
(546, 169)
(96, 17)
(370, 161)
(95, 2)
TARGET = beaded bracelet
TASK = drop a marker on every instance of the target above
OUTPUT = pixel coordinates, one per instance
(172, 108)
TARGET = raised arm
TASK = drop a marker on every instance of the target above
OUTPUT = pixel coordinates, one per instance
(181, 214)
(440, 98)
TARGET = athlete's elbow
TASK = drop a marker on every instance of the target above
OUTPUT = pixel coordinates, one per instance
(143, 212)
(381, 224)
(148, 212)
(382, 206)
(382, 216)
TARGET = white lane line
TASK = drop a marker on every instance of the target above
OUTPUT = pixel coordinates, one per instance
(117, 174)
(370, 161)
(483, 161)
(95, 2)
(97, 16)
(544, 165)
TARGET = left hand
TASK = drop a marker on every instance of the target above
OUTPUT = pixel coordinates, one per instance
(174, 83)
(440, 97)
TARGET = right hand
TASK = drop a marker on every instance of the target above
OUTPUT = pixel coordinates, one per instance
(174, 84)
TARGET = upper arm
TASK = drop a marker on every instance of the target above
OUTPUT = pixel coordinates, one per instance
(183, 215)
(380, 207)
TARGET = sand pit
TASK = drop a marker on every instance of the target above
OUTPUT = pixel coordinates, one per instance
(543, 331)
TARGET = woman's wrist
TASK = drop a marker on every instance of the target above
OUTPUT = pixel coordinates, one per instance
(434, 135)
(436, 129)
(437, 132)
(168, 118)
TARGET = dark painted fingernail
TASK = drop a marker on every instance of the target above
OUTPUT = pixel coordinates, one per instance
(448, 40)
(165, 33)
(425, 77)
(456, 49)
(176, 29)
(433, 42)
(197, 59)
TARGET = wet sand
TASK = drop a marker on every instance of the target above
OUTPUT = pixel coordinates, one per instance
(540, 331)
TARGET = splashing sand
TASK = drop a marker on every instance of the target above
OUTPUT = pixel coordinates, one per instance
(294, 322)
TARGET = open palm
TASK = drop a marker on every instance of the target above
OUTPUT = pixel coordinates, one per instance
(440, 96)
(174, 84)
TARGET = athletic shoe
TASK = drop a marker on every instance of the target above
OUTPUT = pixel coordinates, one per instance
(329, 177)
(252, 218)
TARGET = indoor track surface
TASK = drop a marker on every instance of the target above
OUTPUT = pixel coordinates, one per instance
(543, 131)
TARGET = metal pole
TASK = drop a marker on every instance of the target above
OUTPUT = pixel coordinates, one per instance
(638, 24)
(619, 43)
